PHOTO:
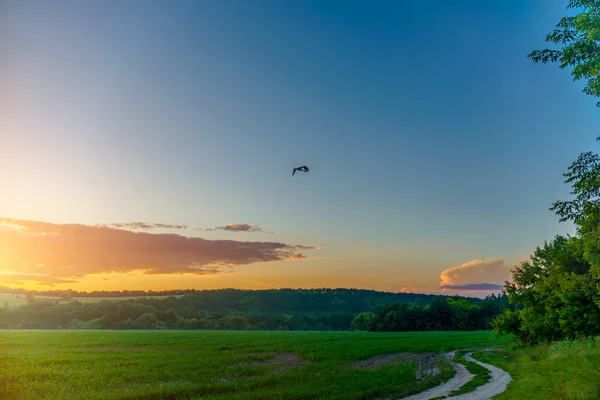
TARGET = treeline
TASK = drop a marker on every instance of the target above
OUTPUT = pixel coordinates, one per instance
(231, 309)
(98, 293)
(137, 314)
(266, 301)
(443, 314)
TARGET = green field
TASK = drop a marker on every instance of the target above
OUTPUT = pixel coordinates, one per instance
(20, 299)
(215, 365)
(563, 370)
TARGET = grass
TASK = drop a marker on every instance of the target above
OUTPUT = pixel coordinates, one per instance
(18, 300)
(563, 370)
(214, 364)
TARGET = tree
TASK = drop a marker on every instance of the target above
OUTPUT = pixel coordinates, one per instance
(234, 322)
(363, 322)
(67, 295)
(440, 314)
(584, 210)
(579, 36)
(558, 294)
(146, 321)
(559, 286)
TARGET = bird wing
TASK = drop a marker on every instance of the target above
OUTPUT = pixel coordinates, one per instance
(294, 171)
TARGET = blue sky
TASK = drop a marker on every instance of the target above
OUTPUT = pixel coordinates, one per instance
(432, 139)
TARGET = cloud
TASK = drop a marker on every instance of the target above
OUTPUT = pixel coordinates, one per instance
(412, 288)
(477, 278)
(408, 289)
(476, 275)
(73, 250)
(20, 279)
(6, 225)
(302, 247)
(142, 225)
(474, 286)
(237, 228)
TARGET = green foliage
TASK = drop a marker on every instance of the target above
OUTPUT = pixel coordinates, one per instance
(558, 294)
(559, 286)
(443, 314)
(579, 36)
(286, 309)
(363, 321)
(214, 365)
(234, 322)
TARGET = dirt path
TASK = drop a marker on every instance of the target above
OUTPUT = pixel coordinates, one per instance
(496, 385)
(462, 376)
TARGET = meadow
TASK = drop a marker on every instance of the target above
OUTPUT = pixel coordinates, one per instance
(38, 364)
(11, 300)
(561, 370)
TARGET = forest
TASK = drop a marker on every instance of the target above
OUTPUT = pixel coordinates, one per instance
(442, 314)
(275, 309)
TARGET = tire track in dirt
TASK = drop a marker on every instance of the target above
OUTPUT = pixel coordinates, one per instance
(496, 385)
(462, 376)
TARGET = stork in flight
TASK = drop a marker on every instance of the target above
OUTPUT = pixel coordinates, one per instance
(303, 168)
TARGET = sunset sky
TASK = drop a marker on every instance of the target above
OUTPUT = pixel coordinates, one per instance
(150, 144)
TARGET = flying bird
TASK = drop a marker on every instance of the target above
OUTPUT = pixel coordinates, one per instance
(303, 168)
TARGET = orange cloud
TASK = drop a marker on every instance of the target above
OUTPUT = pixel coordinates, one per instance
(64, 251)
(473, 278)
(20, 279)
(424, 289)
(476, 275)
(7, 225)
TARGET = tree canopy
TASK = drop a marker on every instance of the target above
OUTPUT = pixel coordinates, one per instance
(277, 309)
(579, 36)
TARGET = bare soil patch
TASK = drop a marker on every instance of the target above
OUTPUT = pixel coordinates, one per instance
(426, 362)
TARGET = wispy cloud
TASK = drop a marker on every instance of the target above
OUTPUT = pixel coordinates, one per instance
(425, 289)
(20, 279)
(237, 228)
(474, 286)
(142, 225)
(75, 250)
(303, 247)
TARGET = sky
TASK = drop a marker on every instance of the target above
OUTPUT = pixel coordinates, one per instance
(149, 144)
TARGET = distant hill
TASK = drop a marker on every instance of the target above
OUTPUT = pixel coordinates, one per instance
(242, 300)
(273, 309)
